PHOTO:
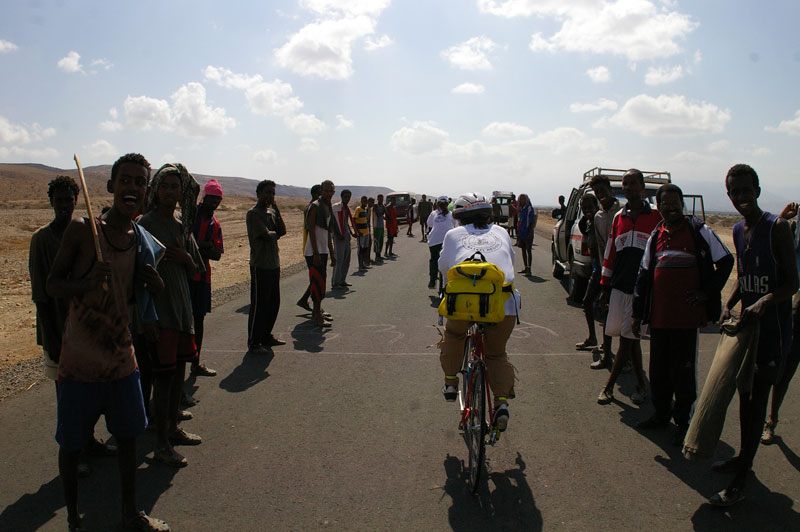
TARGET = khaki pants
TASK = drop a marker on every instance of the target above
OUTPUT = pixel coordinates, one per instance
(501, 372)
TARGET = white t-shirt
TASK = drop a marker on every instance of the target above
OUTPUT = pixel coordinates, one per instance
(439, 225)
(494, 244)
(322, 239)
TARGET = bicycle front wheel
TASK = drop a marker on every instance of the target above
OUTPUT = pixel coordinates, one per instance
(476, 428)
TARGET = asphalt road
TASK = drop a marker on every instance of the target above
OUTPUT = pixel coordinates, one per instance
(346, 429)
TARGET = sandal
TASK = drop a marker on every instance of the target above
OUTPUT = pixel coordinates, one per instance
(586, 345)
(768, 436)
(727, 497)
(168, 456)
(181, 437)
(144, 523)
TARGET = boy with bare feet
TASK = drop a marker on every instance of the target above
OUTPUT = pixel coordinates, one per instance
(97, 368)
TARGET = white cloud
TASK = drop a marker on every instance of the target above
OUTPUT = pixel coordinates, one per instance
(304, 124)
(308, 145)
(661, 75)
(718, 146)
(70, 63)
(599, 74)
(110, 126)
(189, 114)
(421, 137)
(194, 117)
(113, 113)
(668, 116)
(101, 63)
(761, 151)
(263, 98)
(29, 154)
(13, 133)
(7, 46)
(790, 127)
(265, 156)
(101, 150)
(506, 130)
(468, 88)
(347, 8)
(635, 29)
(602, 104)
(471, 54)
(343, 123)
(144, 113)
(20, 134)
(371, 44)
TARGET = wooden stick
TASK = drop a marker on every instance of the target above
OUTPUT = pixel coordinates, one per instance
(89, 210)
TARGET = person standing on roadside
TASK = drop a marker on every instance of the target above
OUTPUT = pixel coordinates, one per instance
(424, 210)
(97, 367)
(343, 231)
(264, 227)
(781, 387)
(629, 232)
(173, 186)
(589, 207)
(603, 220)
(439, 223)
(391, 226)
(527, 223)
(361, 217)
(411, 215)
(303, 301)
(768, 278)
(378, 222)
(208, 234)
(319, 223)
(681, 252)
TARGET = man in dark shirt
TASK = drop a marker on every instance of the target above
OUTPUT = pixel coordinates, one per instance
(264, 227)
(681, 252)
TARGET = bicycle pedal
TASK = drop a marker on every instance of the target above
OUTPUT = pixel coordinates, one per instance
(495, 437)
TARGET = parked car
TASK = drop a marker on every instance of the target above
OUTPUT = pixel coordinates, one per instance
(501, 205)
(571, 255)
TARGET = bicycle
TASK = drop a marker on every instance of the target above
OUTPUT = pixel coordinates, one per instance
(473, 399)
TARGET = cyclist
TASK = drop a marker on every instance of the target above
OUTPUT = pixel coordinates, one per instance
(476, 233)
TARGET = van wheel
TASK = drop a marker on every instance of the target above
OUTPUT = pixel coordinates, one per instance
(576, 284)
(558, 270)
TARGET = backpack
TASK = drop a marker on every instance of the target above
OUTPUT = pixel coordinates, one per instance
(475, 291)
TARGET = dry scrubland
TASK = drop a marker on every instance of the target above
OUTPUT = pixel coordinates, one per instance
(20, 218)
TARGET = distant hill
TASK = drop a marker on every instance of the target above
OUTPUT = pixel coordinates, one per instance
(22, 182)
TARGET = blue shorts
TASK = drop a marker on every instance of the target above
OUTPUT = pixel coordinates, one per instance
(80, 405)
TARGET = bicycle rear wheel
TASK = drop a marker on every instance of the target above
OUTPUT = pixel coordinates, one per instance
(476, 428)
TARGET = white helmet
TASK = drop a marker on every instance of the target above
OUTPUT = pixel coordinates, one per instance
(471, 202)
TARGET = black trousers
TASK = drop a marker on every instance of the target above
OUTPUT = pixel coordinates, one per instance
(265, 300)
(673, 359)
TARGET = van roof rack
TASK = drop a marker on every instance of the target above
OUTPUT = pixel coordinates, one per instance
(616, 174)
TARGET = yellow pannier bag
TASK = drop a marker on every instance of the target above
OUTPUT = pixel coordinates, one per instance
(475, 291)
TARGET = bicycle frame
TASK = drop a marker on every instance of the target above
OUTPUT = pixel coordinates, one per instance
(474, 355)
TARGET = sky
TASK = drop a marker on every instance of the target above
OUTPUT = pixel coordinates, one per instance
(436, 96)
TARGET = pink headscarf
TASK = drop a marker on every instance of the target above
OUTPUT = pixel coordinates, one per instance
(212, 188)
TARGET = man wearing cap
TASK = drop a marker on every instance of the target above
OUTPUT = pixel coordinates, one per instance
(208, 234)
(439, 223)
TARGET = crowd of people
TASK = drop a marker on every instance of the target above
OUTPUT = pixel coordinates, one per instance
(121, 300)
(655, 266)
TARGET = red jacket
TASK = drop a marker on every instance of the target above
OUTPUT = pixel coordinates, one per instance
(625, 247)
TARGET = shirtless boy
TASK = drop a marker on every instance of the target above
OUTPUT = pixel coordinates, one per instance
(97, 368)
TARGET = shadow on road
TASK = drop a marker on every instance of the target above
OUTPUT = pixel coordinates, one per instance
(308, 337)
(532, 278)
(243, 310)
(251, 371)
(98, 496)
(762, 509)
(790, 455)
(509, 506)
